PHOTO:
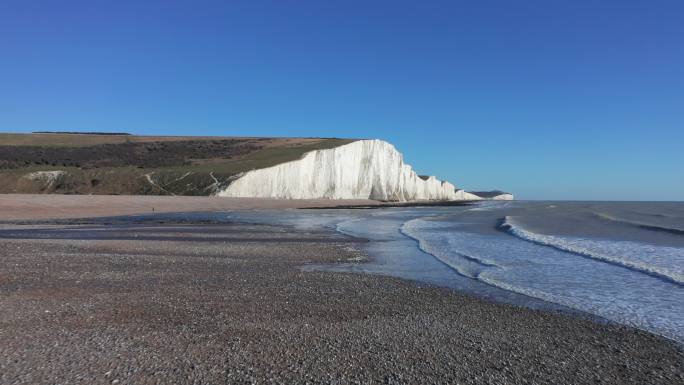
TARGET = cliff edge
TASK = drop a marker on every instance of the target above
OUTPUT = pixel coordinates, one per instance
(364, 169)
(284, 168)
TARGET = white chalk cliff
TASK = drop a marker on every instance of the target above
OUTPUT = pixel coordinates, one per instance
(364, 169)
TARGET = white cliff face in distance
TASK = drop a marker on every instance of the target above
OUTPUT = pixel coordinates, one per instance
(365, 169)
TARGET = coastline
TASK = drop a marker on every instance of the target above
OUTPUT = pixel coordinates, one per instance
(228, 303)
(56, 206)
(14, 207)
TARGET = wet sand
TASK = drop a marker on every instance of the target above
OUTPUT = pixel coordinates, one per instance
(55, 206)
(195, 304)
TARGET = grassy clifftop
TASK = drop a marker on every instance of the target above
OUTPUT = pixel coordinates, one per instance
(139, 165)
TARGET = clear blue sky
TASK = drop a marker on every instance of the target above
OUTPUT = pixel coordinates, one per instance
(547, 99)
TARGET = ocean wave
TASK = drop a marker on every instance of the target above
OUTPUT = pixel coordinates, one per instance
(491, 206)
(657, 215)
(340, 226)
(630, 255)
(418, 229)
(532, 292)
(647, 226)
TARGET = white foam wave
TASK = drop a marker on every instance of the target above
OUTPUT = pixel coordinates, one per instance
(663, 262)
(468, 265)
(489, 272)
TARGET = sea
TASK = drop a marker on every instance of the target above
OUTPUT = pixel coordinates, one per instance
(617, 261)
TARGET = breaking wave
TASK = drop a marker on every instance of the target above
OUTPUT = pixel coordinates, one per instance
(642, 225)
(658, 261)
(467, 265)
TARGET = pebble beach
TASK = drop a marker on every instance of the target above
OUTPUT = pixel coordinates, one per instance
(230, 303)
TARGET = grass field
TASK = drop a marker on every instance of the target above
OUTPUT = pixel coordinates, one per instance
(77, 140)
(139, 165)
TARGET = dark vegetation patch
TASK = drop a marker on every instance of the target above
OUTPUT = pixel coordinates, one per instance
(152, 154)
(81, 133)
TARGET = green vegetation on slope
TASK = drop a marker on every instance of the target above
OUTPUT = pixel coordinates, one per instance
(139, 165)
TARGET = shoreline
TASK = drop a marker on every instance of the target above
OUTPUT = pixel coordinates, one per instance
(181, 219)
(56, 206)
(15, 207)
(387, 204)
(177, 219)
(229, 303)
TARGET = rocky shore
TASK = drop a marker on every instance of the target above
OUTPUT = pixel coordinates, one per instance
(200, 304)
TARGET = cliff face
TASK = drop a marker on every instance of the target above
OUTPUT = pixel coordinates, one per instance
(363, 169)
(494, 195)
